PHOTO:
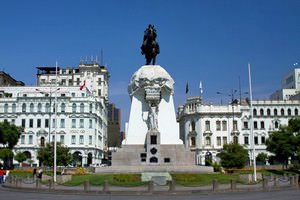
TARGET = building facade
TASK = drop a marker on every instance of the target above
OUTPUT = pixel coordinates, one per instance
(7, 80)
(205, 128)
(290, 86)
(114, 128)
(75, 109)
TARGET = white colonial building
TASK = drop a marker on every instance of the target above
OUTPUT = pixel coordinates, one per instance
(205, 128)
(80, 120)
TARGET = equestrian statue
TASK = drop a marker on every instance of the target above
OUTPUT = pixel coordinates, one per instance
(150, 47)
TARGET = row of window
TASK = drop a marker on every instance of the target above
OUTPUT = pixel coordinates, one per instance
(222, 125)
(61, 139)
(70, 81)
(275, 112)
(38, 123)
(47, 108)
(224, 138)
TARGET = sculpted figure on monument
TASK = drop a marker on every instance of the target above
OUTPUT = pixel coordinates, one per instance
(152, 117)
(150, 47)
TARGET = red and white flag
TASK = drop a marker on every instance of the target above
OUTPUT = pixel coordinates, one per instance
(82, 85)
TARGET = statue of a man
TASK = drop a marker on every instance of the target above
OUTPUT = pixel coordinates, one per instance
(152, 117)
(150, 47)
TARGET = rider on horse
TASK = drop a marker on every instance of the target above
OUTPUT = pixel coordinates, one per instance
(150, 47)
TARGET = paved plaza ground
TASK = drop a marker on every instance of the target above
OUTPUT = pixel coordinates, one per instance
(286, 194)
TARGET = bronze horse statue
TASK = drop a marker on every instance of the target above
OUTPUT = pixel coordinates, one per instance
(150, 47)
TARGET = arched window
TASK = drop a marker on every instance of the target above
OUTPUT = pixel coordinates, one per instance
(235, 139)
(261, 112)
(207, 141)
(254, 112)
(24, 107)
(63, 107)
(282, 112)
(275, 112)
(74, 107)
(289, 112)
(13, 108)
(81, 108)
(39, 107)
(193, 141)
(47, 108)
(276, 124)
(42, 142)
(31, 107)
(268, 112)
(193, 126)
(91, 108)
(296, 112)
(6, 108)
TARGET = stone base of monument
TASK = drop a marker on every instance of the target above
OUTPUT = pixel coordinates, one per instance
(163, 154)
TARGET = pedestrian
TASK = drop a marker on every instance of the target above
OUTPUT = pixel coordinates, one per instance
(40, 173)
(34, 172)
(5, 176)
(1, 175)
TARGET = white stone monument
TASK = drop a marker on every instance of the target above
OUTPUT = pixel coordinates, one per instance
(152, 136)
(152, 108)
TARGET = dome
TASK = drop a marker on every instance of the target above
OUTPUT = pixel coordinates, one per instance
(150, 76)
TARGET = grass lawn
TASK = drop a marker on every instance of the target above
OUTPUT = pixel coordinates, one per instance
(204, 179)
(129, 180)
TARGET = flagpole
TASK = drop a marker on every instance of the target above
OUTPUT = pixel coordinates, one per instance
(54, 166)
(200, 90)
(251, 125)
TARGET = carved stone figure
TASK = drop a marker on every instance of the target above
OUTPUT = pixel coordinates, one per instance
(150, 47)
(152, 117)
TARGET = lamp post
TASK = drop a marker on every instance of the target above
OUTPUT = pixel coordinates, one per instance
(49, 95)
(251, 125)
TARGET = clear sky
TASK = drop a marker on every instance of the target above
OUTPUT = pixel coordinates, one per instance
(200, 40)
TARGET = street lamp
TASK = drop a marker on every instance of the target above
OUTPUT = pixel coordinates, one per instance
(49, 95)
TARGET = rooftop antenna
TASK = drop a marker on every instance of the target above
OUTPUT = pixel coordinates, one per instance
(240, 90)
(92, 59)
(96, 59)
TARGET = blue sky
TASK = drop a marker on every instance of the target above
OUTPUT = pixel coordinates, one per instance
(201, 40)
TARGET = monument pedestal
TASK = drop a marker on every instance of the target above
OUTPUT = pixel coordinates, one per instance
(166, 155)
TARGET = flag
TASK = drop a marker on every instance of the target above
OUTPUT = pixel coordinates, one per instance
(187, 88)
(200, 87)
(82, 85)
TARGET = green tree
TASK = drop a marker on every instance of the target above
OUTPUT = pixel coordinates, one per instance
(9, 134)
(285, 143)
(46, 155)
(9, 137)
(20, 157)
(261, 158)
(233, 156)
(6, 155)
